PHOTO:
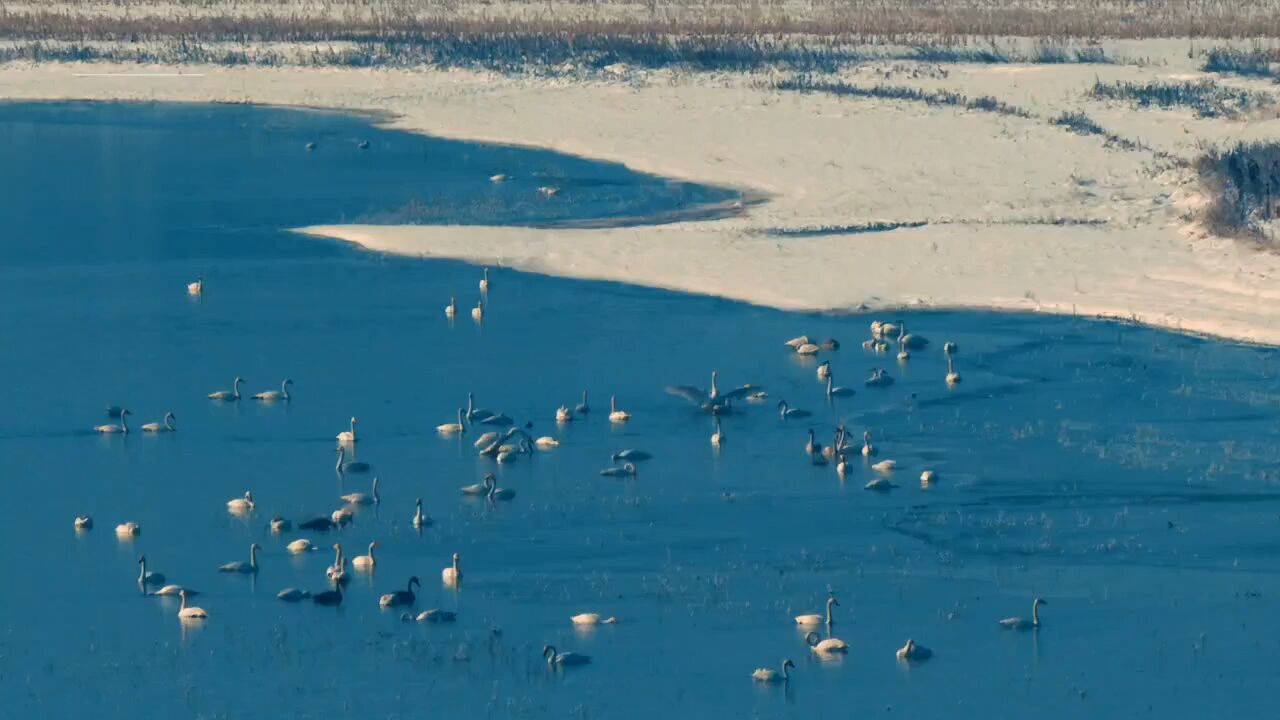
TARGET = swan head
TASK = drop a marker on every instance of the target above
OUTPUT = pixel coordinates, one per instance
(811, 638)
(287, 381)
(414, 582)
(787, 664)
(238, 380)
(142, 559)
(248, 496)
(456, 558)
(125, 412)
(418, 502)
(548, 651)
(831, 600)
(254, 548)
(1038, 602)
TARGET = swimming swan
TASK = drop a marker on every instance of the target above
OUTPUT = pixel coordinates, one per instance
(583, 408)
(233, 394)
(477, 312)
(122, 428)
(908, 341)
(273, 395)
(786, 412)
(299, 546)
(626, 470)
(145, 577)
(592, 619)
(451, 576)
(189, 613)
(616, 415)
(293, 594)
(451, 309)
(878, 378)
(825, 647)
(1020, 623)
(717, 437)
(365, 562)
(401, 597)
(480, 488)
(242, 504)
(868, 450)
(128, 529)
(83, 522)
(457, 428)
(359, 498)
(484, 281)
(434, 616)
(546, 442)
(773, 677)
(165, 425)
(197, 287)
(348, 437)
(711, 399)
(240, 566)
(561, 659)
(953, 377)
(834, 390)
(419, 519)
(912, 651)
(824, 370)
(811, 620)
(496, 493)
(338, 570)
(344, 466)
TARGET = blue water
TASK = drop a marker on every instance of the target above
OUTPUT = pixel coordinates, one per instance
(1128, 476)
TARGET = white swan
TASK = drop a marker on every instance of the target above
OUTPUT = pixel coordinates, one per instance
(842, 467)
(279, 525)
(772, 677)
(927, 478)
(878, 378)
(169, 590)
(128, 529)
(451, 576)
(476, 414)
(583, 408)
(546, 442)
(710, 400)
(84, 522)
(912, 651)
(273, 395)
(808, 349)
(616, 415)
(885, 466)
(811, 620)
(146, 577)
(825, 647)
(626, 470)
(122, 428)
(484, 281)
(419, 519)
(834, 390)
(717, 437)
(165, 425)
(480, 488)
(908, 341)
(879, 485)
(197, 287)
(189, 613)
(451, 309)
(341, 516)
(365, 562)
(487, 438)
(563, 414)
(233, 394)
(812, 446)
(338, 570)
(497, 493)
(824, 370)
(348, 437)
(592, 619)
(953, 377)
(632, 455)
(453, 428)
(300, 546)
(796, 342)
(434, 616)
(786, 412)
(240, 566)
(868, 450)
(344, 466)
(477, 312)
(293, 594)
(241, 504)
(1021, 623)
(560, 659)
(359, 498)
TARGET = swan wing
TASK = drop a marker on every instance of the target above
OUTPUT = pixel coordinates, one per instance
(694, 395)
(741, 392)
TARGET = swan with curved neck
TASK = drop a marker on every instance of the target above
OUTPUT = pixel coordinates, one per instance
(359, 498)
(454, 428)
(834, 390)
(122, 428)
(616, 415)
(233, 394)
(348, 437)
(148, 578)
(241, 566)
(281, 394)
(164, 426)
(819, 619)
(365, 562)
(241, 504)
(401, 597)
(828, 646)
(583, 408)
(769, 676)
(451, 576)
(338, 569)
(189, 613)
(1020, 623)
(559, 659)
(419, 519)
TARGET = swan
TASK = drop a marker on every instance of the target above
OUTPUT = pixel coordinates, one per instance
(487, 438)
(363, 144)
(189, 613)
(475, 414)
(950, 347)
(824, 370)
(484, 281)
(616, 415)
(811, 620)
(365, 562)
(812, 446)
(197, 287)
(293, 594)
(773, 677)
(328, 597)
(477, 312)
(912, 651)
(451, 309)
(451, 576)
(626, 470)
(632, 455)
(233, 394)
(419, 519)
(908, 341)
(879, 485)
(499, 444)
(888, 330)
(169, 590)
(842, 467)
(359, 498)
(710, 399)
(322, 524)
(341, 516)
(834, 390)
(548, 191)
(311, 145)
(500, 177)
(903, 355)
(583, 408)
(496, 493)
(240, 566)
(434, 616)
(454, 428)
(546, 442)
(953, 377)
(165, 425)
(122, 428)
(876, 327)
(717, 437)
(279, 525)
(868, 450)
(563, 414)
(885, 466)
(1020, 623)
(480, 488)
(879, 378)
(129, 529)
(808, 349)
(344, 466)
(499, 419)
(242, 504)
(560, 659)
(145, 577)
(927, 478)
(273, 395)
(347, 437)
(592, 619)
(825, 647)
(84, 522)
(299, 546)
(796, 342)
(338, 570)
(785, 411)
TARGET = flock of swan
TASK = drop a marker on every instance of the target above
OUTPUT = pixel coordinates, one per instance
(503, 441)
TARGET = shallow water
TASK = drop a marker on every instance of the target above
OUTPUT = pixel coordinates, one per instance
(1128, 476)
